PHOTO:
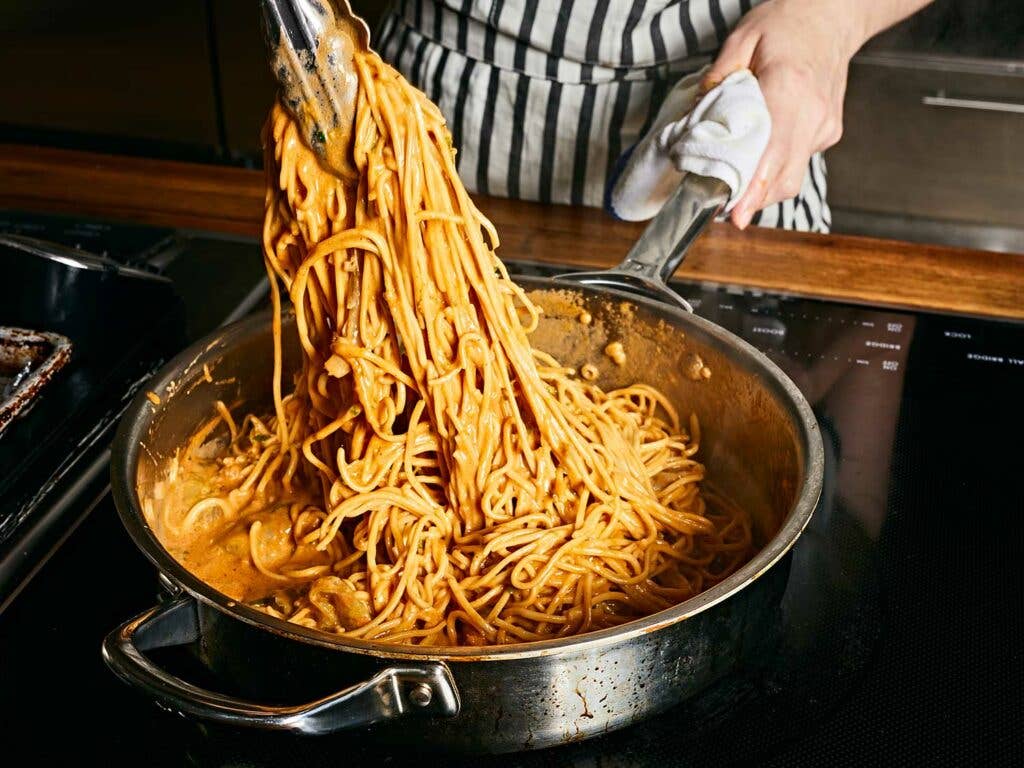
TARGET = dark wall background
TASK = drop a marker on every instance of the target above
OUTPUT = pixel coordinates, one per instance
(185, 79)
(974, 28)
(125, 70)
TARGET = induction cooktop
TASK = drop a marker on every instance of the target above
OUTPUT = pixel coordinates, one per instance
(899, 640)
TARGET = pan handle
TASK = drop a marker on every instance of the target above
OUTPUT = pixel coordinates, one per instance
(426, 688)
(654, 258)
(681, 220)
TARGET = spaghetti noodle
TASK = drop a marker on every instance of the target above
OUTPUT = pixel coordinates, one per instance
(431, 478)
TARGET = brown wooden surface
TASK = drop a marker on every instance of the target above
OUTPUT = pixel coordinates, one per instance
(230, 200)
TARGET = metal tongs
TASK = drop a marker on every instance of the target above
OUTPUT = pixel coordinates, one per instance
(311, 44)
(663, 245)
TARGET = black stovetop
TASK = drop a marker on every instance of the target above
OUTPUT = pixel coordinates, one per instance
(126, 298)
(900, 638)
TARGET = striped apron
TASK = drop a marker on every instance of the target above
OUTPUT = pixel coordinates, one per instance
(543, 96)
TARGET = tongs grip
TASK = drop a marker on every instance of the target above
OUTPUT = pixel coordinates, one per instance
(311, 45)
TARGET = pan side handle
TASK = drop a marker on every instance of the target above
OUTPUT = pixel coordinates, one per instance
(417, 689)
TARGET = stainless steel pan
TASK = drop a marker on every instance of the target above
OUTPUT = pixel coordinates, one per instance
(761, 446)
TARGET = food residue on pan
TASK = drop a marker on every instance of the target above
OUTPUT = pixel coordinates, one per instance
(695, 368)
(589, 371)
(153, 397)
(616, 352)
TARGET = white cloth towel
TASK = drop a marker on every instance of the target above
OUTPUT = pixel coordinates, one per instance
(723, 135)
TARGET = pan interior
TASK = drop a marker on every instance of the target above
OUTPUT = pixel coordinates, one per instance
(750, 444)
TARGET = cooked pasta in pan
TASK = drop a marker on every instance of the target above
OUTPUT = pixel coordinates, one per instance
(429, 477)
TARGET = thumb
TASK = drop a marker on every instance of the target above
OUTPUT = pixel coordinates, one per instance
(736, 54)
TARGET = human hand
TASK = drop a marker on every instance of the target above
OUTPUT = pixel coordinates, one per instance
(800, 52)
(721, 134)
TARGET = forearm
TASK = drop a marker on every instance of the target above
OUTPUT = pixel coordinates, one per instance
(879, 15)
(864, 19)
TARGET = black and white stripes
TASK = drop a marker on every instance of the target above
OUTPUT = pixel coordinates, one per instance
(543, 96)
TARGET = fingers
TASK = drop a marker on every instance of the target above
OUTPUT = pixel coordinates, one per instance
(794, 138)
(736, 54)
(754, 197)
(780, 176)
(802, 74)
(788, 183)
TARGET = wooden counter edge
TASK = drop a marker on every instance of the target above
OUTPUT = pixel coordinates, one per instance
(230, 200)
